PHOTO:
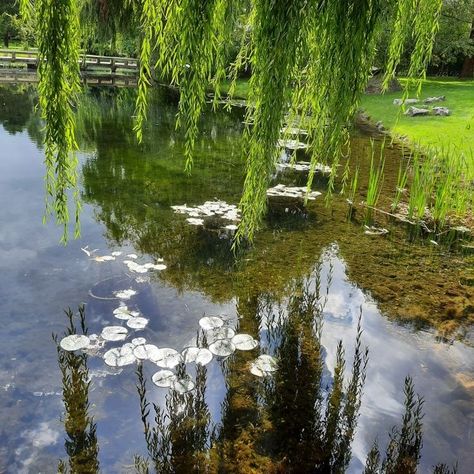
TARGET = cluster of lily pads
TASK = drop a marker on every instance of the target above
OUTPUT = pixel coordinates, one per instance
(292, 144)
(289, 130)
(130, 262)
(229, 213)
(219, 340)
(305, 166)
(295, 192)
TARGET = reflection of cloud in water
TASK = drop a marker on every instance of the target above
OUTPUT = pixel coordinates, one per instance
(394, 352)
(35, 441)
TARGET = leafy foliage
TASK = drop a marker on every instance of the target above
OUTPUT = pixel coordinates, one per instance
(58, 67)
(310, 58)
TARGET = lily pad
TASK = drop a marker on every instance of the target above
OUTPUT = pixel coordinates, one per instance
(125, 294)
(222, 348)
(256, 371)
(119, 356)
(135, 267)
(231, 227)
(195, 221)
(114, 333)
(103, 258)
(116, 254)
(155, 266)
(263, 365)
(183, 385)
(122, 312)
(146, 351)
(167, 358)
(164, 378)
(198, 355)
(137, 323)
(213, 335)
(210, 322)
(74, 342)
(132, 255)
(244, 342)
(139, 341)
(293, 192)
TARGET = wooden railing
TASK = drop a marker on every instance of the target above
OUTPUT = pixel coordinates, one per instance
(22, 76)
(87, 61)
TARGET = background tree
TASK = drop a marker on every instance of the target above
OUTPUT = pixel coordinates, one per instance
(453, 46)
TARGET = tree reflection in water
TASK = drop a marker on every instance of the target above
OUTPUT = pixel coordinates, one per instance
(301, 420)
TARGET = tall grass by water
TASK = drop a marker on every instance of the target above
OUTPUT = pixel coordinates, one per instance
(439, 185)
(376, 177)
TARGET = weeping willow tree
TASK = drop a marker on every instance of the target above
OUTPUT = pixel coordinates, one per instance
(309, 59)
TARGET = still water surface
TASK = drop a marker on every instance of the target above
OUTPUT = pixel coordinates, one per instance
(127, 192)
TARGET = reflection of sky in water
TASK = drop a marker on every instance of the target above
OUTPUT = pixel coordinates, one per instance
(395, 352)
(39, 278)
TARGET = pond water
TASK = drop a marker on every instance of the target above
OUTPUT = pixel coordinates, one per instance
(409, 292)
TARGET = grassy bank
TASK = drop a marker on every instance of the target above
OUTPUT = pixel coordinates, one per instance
(433, 131)
(455, 130)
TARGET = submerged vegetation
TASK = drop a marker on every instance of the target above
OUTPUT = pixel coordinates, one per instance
(81, 444)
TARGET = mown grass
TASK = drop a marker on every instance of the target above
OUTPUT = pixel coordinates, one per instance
(441, 167)
(430, 131)
(241, 91)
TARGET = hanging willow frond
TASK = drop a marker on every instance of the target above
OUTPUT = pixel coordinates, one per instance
(277, 34)
(148, 15)
(417, 19)
(196, 49)
(308, 58)
(26, 9)
(58, 68)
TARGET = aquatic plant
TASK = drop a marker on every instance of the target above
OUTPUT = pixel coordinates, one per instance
(178, 438)
(313, 426)
(312, 54)
(402, 178)
(403, 451)
(404, 448)
(421, 186)
(353, 186)
(376, 177)
(81, 442)
(439, 188)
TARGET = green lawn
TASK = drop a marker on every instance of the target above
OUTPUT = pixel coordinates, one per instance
(456, 129)
(242, 87)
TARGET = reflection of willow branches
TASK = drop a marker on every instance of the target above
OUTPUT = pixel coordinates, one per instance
(177, 442)
(81, 442)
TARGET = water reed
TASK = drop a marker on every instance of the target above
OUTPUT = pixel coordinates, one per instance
(376, 178)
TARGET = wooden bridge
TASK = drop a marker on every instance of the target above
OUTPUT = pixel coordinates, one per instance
(88, 62)
(22, 76)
